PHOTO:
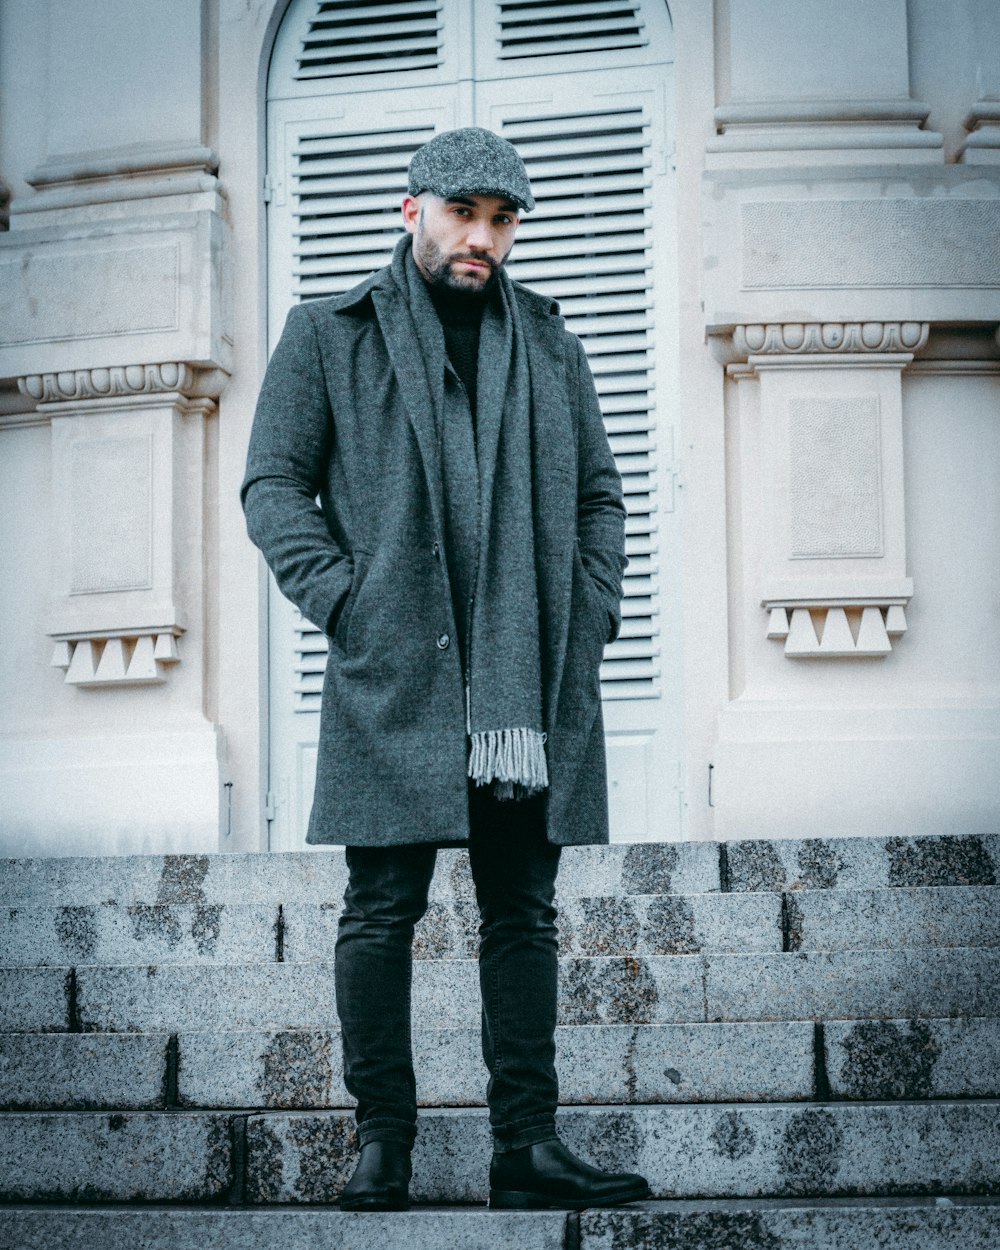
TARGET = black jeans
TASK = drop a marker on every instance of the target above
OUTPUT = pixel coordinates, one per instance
(514, 868)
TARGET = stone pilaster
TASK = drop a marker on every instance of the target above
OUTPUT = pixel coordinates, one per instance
(127, 515)
(828, 468)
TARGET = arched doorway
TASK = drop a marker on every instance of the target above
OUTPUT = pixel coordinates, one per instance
(584, 90)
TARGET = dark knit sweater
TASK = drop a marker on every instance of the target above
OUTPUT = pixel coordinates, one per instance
(461, 314)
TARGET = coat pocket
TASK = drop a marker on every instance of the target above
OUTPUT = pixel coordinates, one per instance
(342, 629)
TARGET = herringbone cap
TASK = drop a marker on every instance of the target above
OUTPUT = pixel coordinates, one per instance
(470, 161)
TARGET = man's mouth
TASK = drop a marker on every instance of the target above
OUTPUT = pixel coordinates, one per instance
(472, 262)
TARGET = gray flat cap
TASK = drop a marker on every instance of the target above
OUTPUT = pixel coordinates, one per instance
(471, 161)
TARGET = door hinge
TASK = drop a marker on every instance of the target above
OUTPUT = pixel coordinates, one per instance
(269, 809)
(268, 188)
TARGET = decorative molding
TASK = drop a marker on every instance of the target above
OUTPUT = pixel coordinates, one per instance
(778, 112)
(141, 171)
(982, 147)
(117, 657)
(125, 163)
(831, 630)
(822, 125)
(123, 381)
(829, 337)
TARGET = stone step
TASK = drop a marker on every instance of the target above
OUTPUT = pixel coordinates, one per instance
(698, 1150)
(846, 985)
(764, 1224)
(170, 1228)
(638, 924)
(720, 1224)
(803, 985)
(632, 868)
(184, 933)
(320, 876)
(675, 1063)
(303, 1069)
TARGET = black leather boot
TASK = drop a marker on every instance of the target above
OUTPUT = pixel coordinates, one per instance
(547, 1175)
(381, 1179)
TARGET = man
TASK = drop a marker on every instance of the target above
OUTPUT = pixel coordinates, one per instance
(465, 560)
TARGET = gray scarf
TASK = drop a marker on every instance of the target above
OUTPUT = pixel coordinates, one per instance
(491, 540)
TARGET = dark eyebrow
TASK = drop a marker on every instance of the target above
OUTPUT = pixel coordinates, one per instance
(508, 206)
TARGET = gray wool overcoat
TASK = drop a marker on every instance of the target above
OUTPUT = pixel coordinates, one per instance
(343, 416)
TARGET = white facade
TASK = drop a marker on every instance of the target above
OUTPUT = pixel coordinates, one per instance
(826, 593)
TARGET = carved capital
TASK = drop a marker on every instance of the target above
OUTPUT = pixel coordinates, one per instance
(123, 381)
(829, 338)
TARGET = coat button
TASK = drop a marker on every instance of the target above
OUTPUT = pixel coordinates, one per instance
(443, 642)
(436, 550)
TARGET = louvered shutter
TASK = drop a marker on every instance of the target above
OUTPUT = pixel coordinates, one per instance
(529, 29)
(346, 37)
(589, 244)
(346, 46)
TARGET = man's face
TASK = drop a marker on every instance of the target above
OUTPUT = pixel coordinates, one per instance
(460, 243)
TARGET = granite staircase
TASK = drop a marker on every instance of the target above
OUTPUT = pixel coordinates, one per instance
(796, 1041)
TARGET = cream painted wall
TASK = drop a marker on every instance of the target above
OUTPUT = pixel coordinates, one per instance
(106, 100)
(24, 90)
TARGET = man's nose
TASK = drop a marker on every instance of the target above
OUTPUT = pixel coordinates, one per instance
(479, 236)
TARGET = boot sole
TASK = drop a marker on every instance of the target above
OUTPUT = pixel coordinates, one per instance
(525, 1200)
(374, 1204)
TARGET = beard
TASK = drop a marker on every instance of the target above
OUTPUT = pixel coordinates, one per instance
(436, 266)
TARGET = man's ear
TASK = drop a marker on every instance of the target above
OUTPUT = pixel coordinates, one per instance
(411, 213)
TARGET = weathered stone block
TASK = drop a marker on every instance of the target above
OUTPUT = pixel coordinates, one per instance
(754, 1150)
(852, 985)
(172, 997)
(119, 1157)
(685, 1063)
(166, 1228)
(82, 1071)
(138, 933)
(639, 868)
(670, 924)
(900, 1224)
(883, 1059)
(862, 863)
(34, 1000)
(893, 918)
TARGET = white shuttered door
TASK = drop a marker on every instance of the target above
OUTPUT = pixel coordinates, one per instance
(596, 144)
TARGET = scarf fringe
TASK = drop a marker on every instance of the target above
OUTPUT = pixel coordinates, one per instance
(512, 760)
